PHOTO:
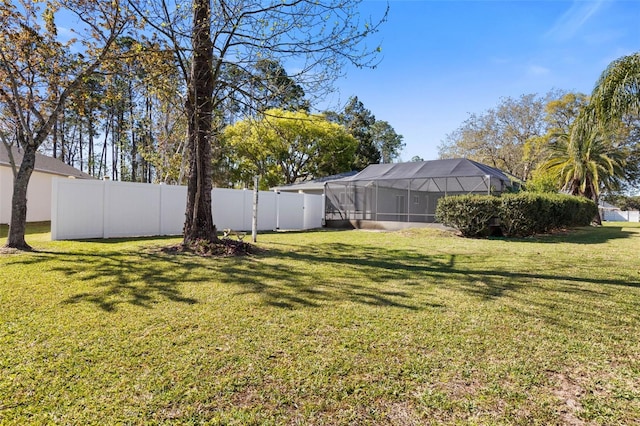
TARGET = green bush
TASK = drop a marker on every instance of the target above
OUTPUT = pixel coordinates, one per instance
(472, 215)
(520, 215)
(515, 213)
(581, 211)
(528, 213)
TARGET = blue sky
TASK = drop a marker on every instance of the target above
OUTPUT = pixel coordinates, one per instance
(444, 59)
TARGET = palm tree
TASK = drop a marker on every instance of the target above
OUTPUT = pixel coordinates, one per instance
(588, 159)
(617, 91)
(585, 165)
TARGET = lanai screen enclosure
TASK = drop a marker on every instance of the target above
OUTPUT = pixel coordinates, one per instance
(408, 192)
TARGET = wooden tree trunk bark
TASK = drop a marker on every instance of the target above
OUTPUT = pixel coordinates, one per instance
(199, 107)
(17, 227)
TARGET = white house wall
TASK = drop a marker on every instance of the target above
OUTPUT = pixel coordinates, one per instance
(38, 196)
(5, 194)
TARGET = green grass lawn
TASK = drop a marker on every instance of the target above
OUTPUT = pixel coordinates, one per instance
(350, 327)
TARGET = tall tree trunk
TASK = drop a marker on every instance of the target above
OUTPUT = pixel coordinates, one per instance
(595, 197)
(63, 136)
(55, 139)
(80, 139)
(199, 108)
(134, 146)
(17, 227)
(91, 166)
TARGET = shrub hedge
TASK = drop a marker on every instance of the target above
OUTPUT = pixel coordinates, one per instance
(472, 215)
(519, 215)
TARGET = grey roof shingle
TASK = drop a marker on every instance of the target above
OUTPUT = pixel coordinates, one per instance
(43, 164)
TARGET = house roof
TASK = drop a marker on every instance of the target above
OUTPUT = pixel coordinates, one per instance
(607, 206)
(314, 184)
(454, 167)
(43, 164)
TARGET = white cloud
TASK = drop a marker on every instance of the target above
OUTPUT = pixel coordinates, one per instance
(573, 19)
(538, 70)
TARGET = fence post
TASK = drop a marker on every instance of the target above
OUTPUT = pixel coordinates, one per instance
(254, 221)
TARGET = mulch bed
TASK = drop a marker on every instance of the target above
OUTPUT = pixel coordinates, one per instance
(223, 247)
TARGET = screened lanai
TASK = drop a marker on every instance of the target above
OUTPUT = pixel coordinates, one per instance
(408, 192)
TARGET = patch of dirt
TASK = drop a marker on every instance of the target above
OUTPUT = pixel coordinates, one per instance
(569, 393)
(402, 414)
(8, 250)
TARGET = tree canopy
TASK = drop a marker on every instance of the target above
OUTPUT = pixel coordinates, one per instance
(585, 166)
(377, 140)
(504, 137)
(287, 147)
(600, 149)
(617, 91)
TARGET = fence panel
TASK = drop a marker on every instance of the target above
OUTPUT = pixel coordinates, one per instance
(621, 216)
(77, 209)
(229, 208)
(105, 209)
(6, 191)
(313, 211)
(131, 208)
(172, 206)
(290, 210)
(267, 210)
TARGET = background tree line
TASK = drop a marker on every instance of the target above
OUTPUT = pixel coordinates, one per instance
(127, 122)
(563, 141)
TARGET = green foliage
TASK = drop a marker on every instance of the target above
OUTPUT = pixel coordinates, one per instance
(506, 137)
(359, 122)
(285, 147)
(562, 112)
(614, 112)
(275, 89)
(523, 214)
(470, 214)
(387, 141)
(617, 91)
(585, 163)
(520, 215)
(529, 213)
(542, 181)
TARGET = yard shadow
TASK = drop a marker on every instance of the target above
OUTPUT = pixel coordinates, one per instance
(292, 277)
(587, 235)
(362, 272)
(141, 279)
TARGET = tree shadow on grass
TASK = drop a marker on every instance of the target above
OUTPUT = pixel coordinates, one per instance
(308, 276)
(384, 277)
(586, 235)
(141, 279)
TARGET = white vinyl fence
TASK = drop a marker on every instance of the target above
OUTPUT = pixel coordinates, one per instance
(621, 216)
(106, 209)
